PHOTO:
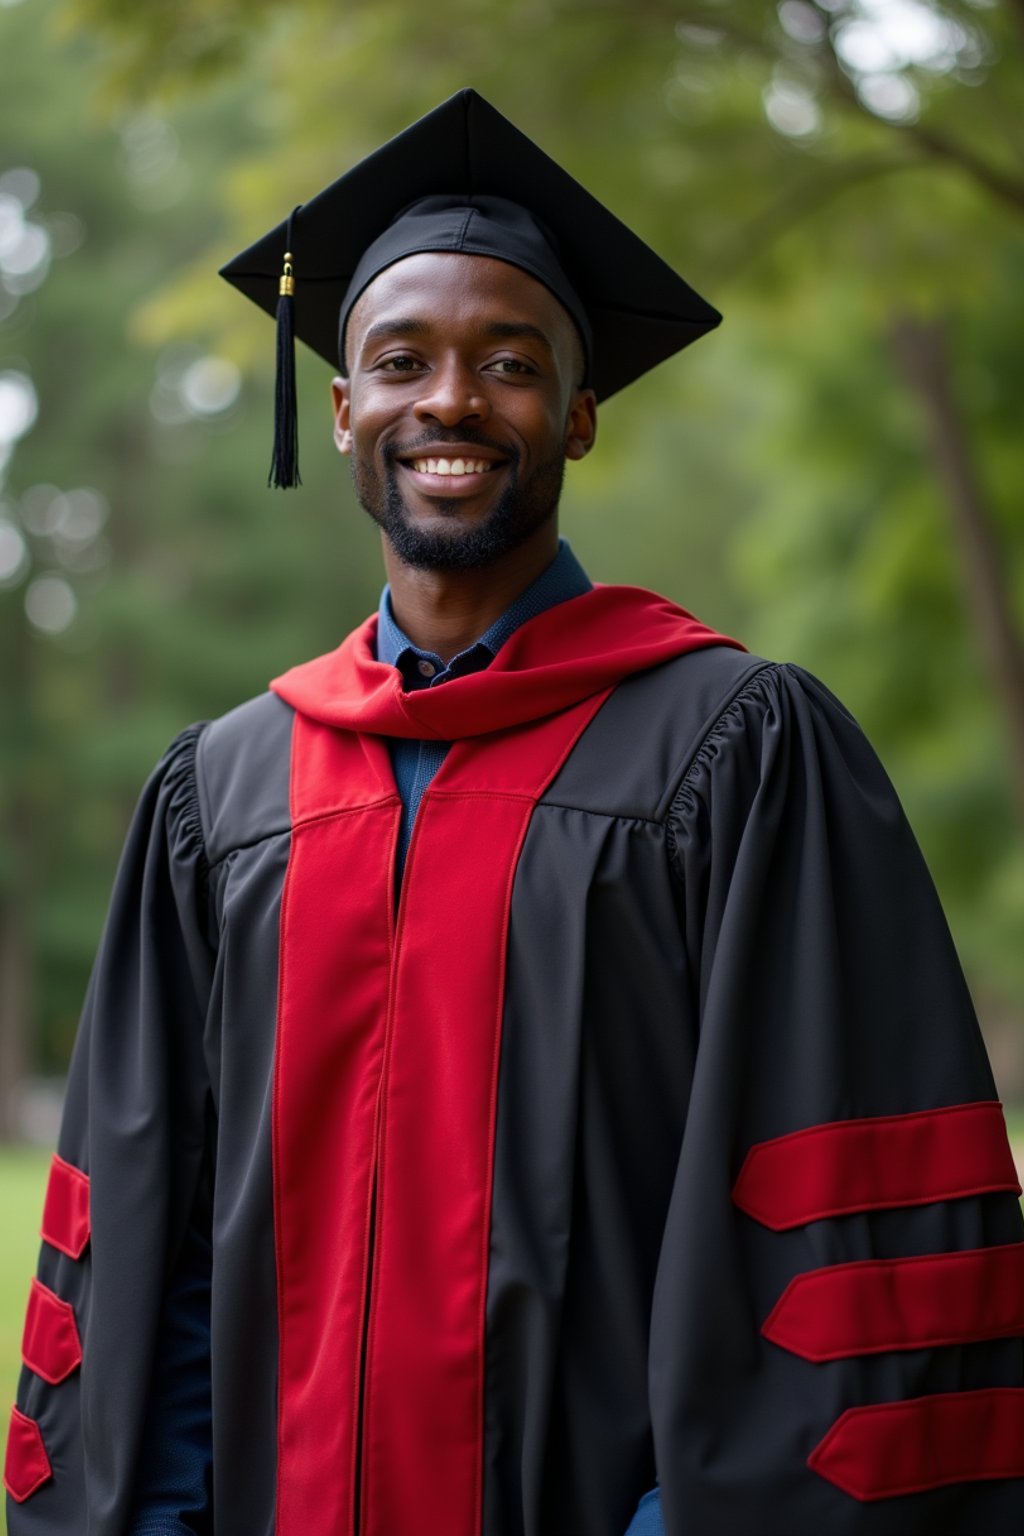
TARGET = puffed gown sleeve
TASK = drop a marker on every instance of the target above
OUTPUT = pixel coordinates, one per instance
(836, 1339)
(129, 1175)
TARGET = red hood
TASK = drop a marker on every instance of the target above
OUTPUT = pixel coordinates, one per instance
(564, 655)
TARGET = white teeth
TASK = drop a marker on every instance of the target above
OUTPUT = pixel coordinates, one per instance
(451, 466)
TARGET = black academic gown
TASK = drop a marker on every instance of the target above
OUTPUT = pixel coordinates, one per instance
(719, 1196)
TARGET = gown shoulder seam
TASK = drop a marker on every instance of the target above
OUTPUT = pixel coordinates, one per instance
(186, 748)
(751, 683)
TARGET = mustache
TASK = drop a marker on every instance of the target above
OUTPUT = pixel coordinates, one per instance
(442, 436)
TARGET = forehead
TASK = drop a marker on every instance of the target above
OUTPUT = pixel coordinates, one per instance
(444, 288)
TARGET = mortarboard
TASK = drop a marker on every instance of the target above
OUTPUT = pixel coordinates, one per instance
(464, 178)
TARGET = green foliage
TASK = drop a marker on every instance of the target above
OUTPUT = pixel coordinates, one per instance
(852, 552)
(778, 480)
(202, 584)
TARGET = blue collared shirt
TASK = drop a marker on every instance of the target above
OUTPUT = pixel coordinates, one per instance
(414, 763)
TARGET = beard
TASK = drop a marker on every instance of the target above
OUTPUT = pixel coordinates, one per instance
(518, 513)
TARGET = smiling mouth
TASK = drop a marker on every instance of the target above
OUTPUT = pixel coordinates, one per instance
(459, 476)
(454, 466)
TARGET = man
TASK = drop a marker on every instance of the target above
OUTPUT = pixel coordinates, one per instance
(527, 1086)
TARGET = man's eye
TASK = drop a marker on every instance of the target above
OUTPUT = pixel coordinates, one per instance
(511, 365)
(400, 364)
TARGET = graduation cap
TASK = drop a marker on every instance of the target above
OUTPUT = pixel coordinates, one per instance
(463, 178)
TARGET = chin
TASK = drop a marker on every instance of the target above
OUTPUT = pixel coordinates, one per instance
(448, 537)
(454, 549)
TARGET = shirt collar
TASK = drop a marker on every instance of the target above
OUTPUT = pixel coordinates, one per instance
(562, 579)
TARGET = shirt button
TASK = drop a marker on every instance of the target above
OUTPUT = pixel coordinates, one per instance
(426, 668)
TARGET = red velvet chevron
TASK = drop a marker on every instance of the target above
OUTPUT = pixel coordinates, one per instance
(880, 1306)
(50, 1344)
(876, 1163)
(877, 1305)
(889, 1449)
(66, 1209)
(26, 1464)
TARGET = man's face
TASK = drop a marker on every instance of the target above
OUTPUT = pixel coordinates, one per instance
(461, 406)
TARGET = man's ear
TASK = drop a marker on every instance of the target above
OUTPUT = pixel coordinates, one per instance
(581, 424)
(341, 394)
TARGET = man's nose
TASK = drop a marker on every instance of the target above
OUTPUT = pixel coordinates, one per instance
(452, 393)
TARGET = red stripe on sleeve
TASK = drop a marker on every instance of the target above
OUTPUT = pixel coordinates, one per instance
(889, 1449)
(26, 1465)
(66, 1209)
(50, 1344)
(872, 1306)
(872, 1164)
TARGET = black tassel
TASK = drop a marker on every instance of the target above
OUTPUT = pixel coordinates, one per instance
(284, 466)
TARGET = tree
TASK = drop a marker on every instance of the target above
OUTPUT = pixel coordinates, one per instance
(146, 576)
(848, 210)
(856, 93)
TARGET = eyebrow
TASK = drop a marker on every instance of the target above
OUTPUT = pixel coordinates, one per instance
(385, 328)
(509, 329)
(495, 329)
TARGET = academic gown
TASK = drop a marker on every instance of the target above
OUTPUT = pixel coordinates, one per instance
(459, 1285)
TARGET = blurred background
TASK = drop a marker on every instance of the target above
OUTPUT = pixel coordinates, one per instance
(835, 476)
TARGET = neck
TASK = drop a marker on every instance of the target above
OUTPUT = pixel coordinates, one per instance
(446, 611)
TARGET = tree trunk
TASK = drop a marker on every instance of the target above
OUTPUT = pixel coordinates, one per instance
(920, 347)
(17, 887)
(15, 986)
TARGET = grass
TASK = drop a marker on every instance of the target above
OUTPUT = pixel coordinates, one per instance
(22, 1183)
